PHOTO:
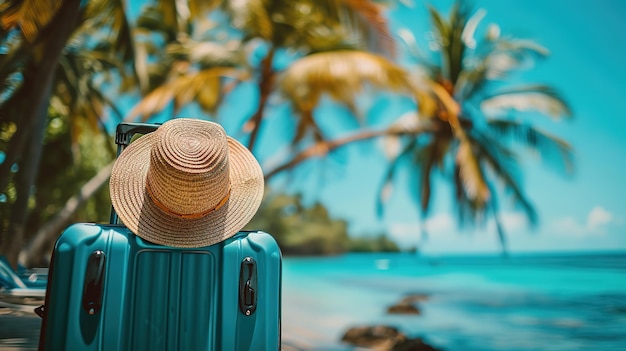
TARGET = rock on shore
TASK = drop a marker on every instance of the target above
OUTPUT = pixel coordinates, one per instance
(408, 305)
(384, 338)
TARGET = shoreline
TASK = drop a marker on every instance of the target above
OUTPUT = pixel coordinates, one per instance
(19, 331)
(539, 307)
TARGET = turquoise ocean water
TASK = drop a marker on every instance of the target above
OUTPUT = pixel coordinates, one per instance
(523, 302)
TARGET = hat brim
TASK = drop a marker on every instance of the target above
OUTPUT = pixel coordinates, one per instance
(137, 211)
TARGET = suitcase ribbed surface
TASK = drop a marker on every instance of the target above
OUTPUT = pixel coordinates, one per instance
(160, 298)
(174, 298)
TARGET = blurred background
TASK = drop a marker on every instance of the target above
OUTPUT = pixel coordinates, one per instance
(440, 175)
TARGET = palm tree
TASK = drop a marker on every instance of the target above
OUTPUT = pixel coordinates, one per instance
(189, 66)
(320, 38)
(37, 51)
(82, 74)
(477, 148)
(331, 30)
(36, 34)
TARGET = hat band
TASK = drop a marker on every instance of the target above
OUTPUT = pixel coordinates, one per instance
(164, 208)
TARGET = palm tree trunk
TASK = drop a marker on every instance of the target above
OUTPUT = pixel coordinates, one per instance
(23, 185)
(45, 57)
(36, 251)
(266, 84)
(322, 148)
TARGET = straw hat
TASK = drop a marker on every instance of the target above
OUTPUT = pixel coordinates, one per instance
(187, 184)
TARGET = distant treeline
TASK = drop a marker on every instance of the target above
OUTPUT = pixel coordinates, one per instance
(379, 243)
(318, 245)
(309, 230)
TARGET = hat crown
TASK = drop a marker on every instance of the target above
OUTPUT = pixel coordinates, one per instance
(189, 167)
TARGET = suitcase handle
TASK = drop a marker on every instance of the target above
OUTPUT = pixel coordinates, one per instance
(94, 280)
(247, 286)
(123, 135)
(126, 130)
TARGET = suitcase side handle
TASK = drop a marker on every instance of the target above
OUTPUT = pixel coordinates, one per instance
(248, 286)
(94, 282)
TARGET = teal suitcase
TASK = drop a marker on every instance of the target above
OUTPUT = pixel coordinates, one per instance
(109, 289)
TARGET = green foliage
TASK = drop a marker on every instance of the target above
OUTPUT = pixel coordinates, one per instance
(56, 57)
(7, 197)
(378, 243)
(311, 26)
(302, 230)
(299, 229)
(477, 146)
(186, 59)
(63, 171)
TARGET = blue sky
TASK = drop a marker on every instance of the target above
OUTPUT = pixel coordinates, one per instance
(585, 211)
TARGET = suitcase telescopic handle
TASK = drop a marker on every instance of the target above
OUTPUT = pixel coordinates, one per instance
(123, 135)
(126, 130)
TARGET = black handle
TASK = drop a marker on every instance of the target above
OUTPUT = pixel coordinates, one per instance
(248, 286)
(126, 130)
(123, 135)
(94, 282)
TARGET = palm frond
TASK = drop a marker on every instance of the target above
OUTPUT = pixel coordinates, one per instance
(151, 20)
(470, 211)
(198, 8)
(506, 55)
(106, 26)
(463, 205)
(501, 162)
(386, 187)
(341, 75)
(23, 24)
(497, 60)
(471, 175)
(541, 98)
(470, 27)
(448, 109)
(253, 17)
(441, 25)
(76, 94)
(183, 89)
(354, 23)
(450, 37)
(207, 54)
(412, 49)
(500, 230)
(545, 144)
(9, 86)
(314, 25)
(367, 18)
(521, 48)
(32, 16)
(425, 161)
(9, 15)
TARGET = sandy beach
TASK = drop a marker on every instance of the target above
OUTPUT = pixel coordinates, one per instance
(554, 302)
(19, 331)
